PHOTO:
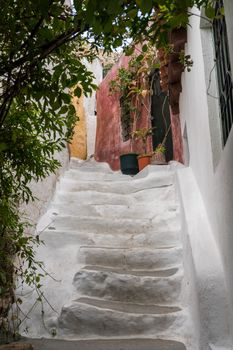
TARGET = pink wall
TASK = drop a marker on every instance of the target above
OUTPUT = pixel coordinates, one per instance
(109, 143)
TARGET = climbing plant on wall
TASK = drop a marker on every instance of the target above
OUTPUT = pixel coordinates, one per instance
(133, 83)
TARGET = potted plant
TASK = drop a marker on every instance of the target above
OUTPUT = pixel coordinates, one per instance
(143, 134)
(158, 155)
(129, 163)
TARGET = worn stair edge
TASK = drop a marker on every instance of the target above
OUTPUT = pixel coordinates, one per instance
(158, 240)
(95, 224)
(128, 288)
(88, 320)
(146, 273)
(134, 308)
(72, 185)
(137, 343)
(136, 258)
(110, 210)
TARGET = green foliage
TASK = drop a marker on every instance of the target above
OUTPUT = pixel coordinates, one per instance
(134, 86)
(160, 149)
(143, 135)
(122, 85)
(36, 120)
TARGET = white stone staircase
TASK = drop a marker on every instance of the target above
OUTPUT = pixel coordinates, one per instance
(113, 249)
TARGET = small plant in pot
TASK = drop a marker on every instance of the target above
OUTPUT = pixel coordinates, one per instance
(158, 155)
(143, 134)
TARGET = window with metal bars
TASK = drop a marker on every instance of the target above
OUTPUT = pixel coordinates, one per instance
(223, 67)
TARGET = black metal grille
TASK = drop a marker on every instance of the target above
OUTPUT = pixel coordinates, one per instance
(223, 71)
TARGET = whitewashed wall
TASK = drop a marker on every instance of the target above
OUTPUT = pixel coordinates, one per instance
(43, 191)
(210, 162)
(90, 105)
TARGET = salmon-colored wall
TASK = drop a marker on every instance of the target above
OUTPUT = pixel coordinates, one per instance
(109, 142)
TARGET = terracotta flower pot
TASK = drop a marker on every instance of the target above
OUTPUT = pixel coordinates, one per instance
(158, 158)
(143, 161)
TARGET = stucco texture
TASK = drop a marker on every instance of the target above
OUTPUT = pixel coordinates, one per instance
(109, 141)
(78, 146)
(43, 192)
(176, 137)
(210, 162)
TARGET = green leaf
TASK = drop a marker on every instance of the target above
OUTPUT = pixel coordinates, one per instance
(145, 5)
(63, 110)
(139, 58)
(133, 13)
(117, 42)
(210, 12)
(222, 11)
(3, 146)
(113, 7)
(78, 91)
(144, 48)
(129, 50)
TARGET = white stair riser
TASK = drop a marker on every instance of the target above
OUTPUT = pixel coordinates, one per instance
(116, 187)
(89, 224)
(149, 211)
(131, 258)
(122, 240)
(128, 288)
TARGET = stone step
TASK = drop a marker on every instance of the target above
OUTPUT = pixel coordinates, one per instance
(152, 181)
(136, 258)
(87, 321)
(144, 210)
(153, 239)
(135, 343)
(114, 253)
(128, 288)
(61, 238)
(129, 307)
(92, 197)
(153, 273)
(163, 223)
(155, 195)
(76, 174)
(89, 165)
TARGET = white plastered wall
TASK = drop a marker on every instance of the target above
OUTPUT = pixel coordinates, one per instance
(210, 163)
(43, 192)
(90, 105)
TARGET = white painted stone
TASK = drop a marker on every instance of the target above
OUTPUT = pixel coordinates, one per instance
(43, 191)
(128, 288)
(120, 211)
(210, 162)
(116, 260)
(156, 239)
(205, 291)
(89, 321)
(138, 258)
(120, 343)
(90, 105)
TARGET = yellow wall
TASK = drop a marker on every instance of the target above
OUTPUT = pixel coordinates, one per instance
(78, 146)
